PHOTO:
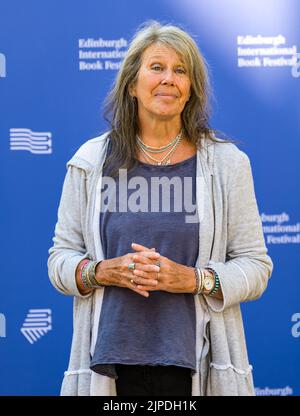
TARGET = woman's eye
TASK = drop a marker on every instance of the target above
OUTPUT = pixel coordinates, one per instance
(156, 67)
(181, 71)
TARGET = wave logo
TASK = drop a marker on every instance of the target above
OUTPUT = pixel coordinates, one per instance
(2, 66)
(37, 323)
(34, 142)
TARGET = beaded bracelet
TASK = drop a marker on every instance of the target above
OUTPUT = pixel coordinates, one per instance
(199, 281)
(91, 273)
(88, 270)
(217, 281)
(84, 262)
(83, 275)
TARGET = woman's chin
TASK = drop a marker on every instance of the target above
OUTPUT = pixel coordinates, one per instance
(166, 113)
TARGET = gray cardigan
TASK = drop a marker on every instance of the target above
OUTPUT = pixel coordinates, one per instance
(231, 242)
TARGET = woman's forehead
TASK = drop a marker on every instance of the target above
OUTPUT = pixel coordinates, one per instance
(159, 50)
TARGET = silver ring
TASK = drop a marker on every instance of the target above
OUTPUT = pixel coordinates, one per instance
(131, 266)
(158, 263)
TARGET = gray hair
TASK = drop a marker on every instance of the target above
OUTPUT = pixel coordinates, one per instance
(121, 108)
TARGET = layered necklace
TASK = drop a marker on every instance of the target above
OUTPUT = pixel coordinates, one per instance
(166, 160)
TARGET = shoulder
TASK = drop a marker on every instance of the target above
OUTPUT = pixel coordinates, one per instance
(225, 155)
(90, 152)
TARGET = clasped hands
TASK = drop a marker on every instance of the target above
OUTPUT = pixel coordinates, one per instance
(147, 276)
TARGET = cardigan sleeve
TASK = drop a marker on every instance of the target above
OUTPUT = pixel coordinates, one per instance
(244, 276)
(68, 243)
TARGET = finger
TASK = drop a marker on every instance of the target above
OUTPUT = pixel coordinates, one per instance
(133, 286)
(148, 254)
(147, 288)
(141, 292)
(139, 247)
(146, 276)
(140, 279)
(147, 267)
(141, 261)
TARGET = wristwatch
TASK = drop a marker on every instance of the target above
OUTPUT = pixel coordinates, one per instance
(208, 282)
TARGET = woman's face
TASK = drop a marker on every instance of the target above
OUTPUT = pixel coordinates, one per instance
(163, 85)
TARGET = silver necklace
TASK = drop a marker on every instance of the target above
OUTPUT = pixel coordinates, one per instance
(153, 149)
(169, 154)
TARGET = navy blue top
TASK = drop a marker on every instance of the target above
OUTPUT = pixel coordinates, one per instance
(160, 329)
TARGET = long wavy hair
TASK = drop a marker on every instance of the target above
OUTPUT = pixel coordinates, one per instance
(121, 108)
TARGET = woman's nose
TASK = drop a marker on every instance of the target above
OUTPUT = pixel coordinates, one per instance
(168, 78)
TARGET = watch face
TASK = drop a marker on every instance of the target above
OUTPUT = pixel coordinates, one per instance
(208, 283)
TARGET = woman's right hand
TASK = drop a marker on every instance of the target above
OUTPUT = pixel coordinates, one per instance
(115, 272)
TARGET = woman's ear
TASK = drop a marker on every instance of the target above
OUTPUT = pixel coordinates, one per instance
(131, 90)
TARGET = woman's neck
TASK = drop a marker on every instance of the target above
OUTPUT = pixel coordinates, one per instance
(159, 133)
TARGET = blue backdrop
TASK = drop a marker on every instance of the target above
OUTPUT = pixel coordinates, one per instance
(57, 62)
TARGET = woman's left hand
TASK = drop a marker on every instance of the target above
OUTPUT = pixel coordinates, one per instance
(172, 277)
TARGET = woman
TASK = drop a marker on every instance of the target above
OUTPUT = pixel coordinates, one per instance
(158, 237)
